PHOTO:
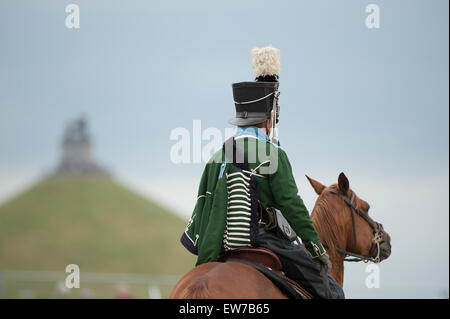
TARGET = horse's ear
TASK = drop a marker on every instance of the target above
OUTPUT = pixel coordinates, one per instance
(318, 187)
(343, 183)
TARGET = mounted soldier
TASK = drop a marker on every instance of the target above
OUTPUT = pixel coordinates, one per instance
(248, 196)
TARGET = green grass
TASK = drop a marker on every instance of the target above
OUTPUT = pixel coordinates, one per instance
(94, 223)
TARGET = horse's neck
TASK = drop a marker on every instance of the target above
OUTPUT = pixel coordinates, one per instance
(337, 270)
(337, 259)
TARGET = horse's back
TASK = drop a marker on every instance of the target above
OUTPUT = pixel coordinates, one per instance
(229, 280)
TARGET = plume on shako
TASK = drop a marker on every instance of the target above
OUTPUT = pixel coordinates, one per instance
(266, 64)
(257, 101)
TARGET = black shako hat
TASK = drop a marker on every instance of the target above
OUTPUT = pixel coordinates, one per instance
(254, 101)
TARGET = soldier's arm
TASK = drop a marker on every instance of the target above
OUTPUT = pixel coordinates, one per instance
(286, 196)
(189, 238)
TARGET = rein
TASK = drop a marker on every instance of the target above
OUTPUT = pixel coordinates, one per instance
(377, 231)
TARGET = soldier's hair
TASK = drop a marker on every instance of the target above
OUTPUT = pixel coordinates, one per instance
(259, 125)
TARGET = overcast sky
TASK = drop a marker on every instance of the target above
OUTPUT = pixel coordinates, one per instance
(370, 102)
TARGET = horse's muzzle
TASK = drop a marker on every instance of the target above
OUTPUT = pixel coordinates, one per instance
(385, 247)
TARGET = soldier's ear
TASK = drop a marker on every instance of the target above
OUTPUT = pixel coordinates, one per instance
(344, 184)
(318, 187)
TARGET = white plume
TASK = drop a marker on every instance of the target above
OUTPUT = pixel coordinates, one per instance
(265, 61)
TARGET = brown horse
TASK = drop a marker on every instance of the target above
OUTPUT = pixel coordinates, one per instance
(344, 226)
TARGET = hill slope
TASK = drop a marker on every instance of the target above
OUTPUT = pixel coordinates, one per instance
(92, 222)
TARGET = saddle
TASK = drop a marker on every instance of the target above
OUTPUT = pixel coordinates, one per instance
(270, 265)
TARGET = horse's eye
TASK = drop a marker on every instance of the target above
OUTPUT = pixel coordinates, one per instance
(365, 208)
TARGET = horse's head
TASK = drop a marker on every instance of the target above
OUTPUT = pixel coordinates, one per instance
(344, 225)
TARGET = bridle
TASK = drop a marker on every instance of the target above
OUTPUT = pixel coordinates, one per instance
(377, 228)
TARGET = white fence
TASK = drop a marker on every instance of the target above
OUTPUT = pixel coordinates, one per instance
(152, 282)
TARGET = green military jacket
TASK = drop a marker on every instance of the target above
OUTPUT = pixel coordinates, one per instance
(205, 233)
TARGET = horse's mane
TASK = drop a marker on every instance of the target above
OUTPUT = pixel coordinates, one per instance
(324, 220)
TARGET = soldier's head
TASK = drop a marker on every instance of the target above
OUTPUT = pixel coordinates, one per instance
(257, 102)
(263, 125)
